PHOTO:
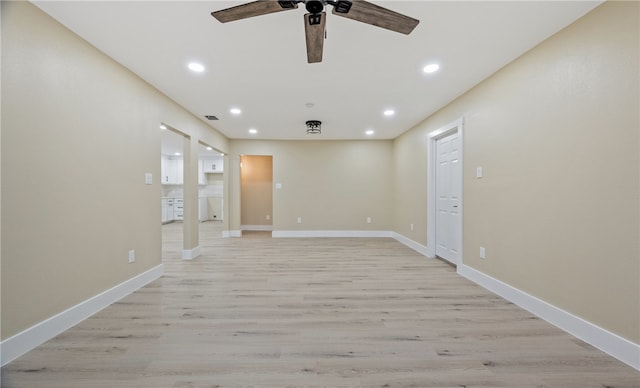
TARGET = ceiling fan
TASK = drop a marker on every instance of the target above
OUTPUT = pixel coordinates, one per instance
(315, 19)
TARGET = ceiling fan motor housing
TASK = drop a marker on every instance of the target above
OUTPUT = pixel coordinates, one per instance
(314, 6)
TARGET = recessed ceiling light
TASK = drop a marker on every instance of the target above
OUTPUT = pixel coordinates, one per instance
(162, 126)
(197, 67)
(431, 68)
(369, 132)
(209, 148)
(235, 111)
(177, 153)
(389, 112)
(253, 131)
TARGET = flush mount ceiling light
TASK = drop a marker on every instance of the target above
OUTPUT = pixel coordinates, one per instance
(253, 131)
(313, 127)
(389, 112)
(369, 132)
(235, 111)
(431, 68)
(196, 67)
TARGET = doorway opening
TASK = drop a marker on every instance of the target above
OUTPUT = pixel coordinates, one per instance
(211, 189)
(172, 150)
(444, 193)
(256, 195)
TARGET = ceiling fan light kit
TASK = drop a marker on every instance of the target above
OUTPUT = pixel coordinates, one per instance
(315, 19)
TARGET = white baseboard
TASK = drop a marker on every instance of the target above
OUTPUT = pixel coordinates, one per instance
(190, 254)
(19, 344)
(231, 233)
(260, 228)
(422, 249)
(330, 233)
(610, 343)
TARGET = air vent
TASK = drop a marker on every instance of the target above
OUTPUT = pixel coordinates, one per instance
(210, 117)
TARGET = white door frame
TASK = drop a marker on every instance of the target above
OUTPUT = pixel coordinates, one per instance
(432, 137)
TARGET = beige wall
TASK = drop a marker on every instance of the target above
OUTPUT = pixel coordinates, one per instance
(79, 132)
(256, 190)
(556, 133)
(332, 185)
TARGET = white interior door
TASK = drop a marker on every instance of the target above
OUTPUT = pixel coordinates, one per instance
(448, 193)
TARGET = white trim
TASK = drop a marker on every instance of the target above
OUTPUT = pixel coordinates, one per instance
(231, 233)
(432, 137)
(610, 343)
(260, 228)
(331, 233)
(412, 244)
(190, 254)
(19, 344)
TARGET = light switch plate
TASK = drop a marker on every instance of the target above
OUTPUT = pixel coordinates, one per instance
(148, 178)
(479, 172)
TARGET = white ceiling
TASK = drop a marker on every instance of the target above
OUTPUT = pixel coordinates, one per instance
(259, 64)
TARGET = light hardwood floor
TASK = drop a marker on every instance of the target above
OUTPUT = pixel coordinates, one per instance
(326, 312)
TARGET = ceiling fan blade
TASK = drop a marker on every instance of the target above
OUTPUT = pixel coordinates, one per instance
(314, 30)
(369, 13)
(255, 8)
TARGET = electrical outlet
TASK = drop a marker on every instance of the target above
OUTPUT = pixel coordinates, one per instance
(268, 217)
(299, 220)
(411, 226)
(483, 254)
(368, 220)
(132, 256)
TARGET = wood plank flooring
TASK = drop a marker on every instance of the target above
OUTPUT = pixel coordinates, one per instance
(326, 312)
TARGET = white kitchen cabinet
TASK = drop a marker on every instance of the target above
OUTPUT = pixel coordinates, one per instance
(164, 170)
(173, 209)
(167, 210)
(172, 171)
(178, 172)
(178, 209)
(213, 165)
(202, 178)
